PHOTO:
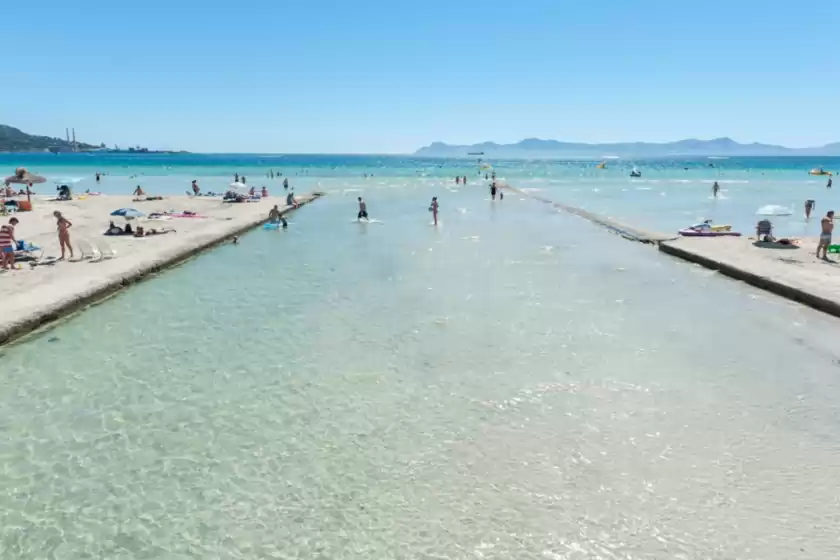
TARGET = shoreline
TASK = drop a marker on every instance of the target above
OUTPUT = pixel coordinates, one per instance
(35, 298)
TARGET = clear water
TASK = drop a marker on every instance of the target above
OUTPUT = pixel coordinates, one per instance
(514, 384)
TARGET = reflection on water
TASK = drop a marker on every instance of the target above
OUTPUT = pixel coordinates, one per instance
(515, 384)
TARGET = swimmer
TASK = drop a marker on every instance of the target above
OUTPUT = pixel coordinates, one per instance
(809, 207)
(433, 208)
(235, 240)
(715, 189)
(362, 210)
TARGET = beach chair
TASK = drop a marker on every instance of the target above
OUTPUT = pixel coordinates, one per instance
(764, 230)
(85, 250)
(105, 251)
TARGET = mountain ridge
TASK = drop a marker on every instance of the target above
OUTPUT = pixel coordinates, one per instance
(15, 140)
(531, 147)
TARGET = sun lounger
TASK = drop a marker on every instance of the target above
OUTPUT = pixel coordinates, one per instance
(85, 250)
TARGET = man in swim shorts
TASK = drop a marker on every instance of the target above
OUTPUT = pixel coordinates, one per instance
(274, 215)
(362, 209)
(827, 225)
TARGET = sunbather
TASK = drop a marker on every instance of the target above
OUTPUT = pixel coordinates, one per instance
(114, 229)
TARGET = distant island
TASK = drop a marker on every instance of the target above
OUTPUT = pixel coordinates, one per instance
(535, 147)
(15, 140)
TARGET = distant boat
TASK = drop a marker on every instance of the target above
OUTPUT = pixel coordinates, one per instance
(602, 165)
(475, 153)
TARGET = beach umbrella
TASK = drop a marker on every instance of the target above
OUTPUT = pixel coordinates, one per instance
(128, 213)
(24, 177)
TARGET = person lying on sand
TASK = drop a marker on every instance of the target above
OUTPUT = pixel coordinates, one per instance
(114, 229)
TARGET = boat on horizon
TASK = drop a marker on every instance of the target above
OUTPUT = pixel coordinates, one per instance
(475, 153)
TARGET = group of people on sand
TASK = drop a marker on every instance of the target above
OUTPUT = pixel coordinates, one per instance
(8, 241)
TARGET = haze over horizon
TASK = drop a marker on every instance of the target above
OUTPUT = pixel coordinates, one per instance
(373, 77)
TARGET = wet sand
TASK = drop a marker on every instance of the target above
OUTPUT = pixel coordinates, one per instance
(33, 296)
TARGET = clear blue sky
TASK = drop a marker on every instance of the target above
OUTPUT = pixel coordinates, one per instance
(390, 76)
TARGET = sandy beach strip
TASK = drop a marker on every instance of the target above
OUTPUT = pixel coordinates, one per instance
(794, 272)
(35, 296)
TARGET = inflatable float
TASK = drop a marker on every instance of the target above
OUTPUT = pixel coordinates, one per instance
(819, 171)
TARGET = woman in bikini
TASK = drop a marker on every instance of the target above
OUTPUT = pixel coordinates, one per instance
(64, 226)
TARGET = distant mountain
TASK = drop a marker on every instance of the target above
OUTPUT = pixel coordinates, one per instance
(535, 147)
(15, 140)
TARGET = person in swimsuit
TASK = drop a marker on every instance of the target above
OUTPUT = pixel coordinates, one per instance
(828, 185)
(715, 189)
(809, 207)
(97, 177)
(827, 225)
(274, 215)
(196, 189)
(362, 210)
(138, 191)
(64, 226)
(286, 184)
(7, 244)
(433, 208)
(493, 190)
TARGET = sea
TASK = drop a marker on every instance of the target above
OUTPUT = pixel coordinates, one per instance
(515, 382)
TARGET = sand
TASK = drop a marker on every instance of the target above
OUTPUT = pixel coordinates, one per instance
(32, 297)
(794, 273)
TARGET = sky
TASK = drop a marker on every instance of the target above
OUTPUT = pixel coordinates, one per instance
(371, 76)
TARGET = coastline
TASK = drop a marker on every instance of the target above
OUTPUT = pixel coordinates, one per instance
(42, 295)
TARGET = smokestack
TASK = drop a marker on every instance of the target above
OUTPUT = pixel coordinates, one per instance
(67, 134)
(74, 140)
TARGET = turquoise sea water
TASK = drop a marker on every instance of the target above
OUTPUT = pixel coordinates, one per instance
(516, 383)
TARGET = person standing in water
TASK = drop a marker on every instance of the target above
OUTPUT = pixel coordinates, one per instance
(286, 184)
(827, 227)
(828, 185)
(715, 189)
(64, 226)
(493, 190)
(362, 210)
(236, 177)
(464, 180)
(98, 176)
(809, 207)
(195, 188)
(457, 179)
(433, 208)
